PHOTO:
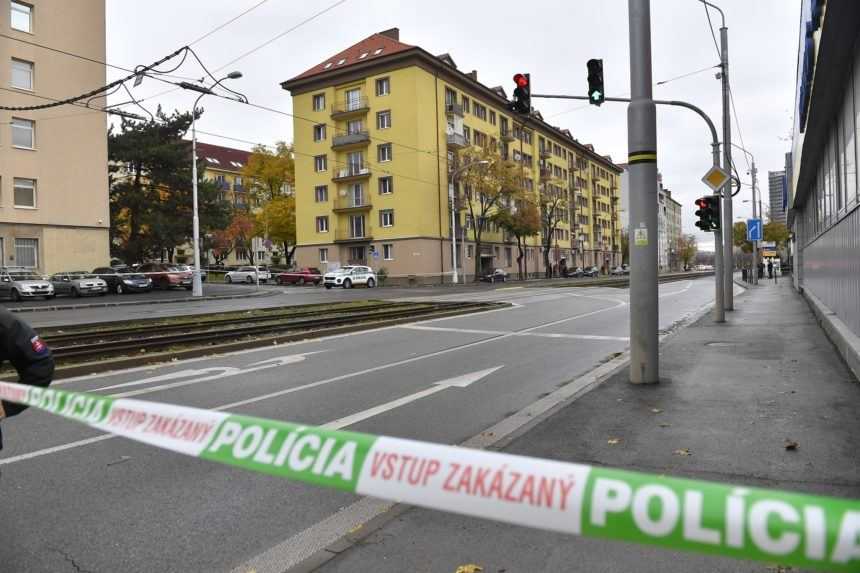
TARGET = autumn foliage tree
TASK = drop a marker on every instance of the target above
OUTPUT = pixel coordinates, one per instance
(239, 233)
(687, 249)
(553, 206)
(522, 221)
(270, 171)
(276, 220)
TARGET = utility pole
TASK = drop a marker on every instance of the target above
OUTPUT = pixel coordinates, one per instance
(756, 214)
(642, 158)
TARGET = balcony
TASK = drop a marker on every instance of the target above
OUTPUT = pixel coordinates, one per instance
(348, 235)
(350, 107)
(350, 140)
(545, 153)
(454, 108)
(506, 136)
(350, 173)
(546, 172)
(352, 203)
(457, 140)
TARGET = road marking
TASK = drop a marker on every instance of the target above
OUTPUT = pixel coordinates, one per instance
(514, 333)
(463, 381)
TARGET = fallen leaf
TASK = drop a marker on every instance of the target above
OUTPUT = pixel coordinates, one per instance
(682, 452)
(665, 425)
(656, 410)
(613, 441)
(791, 445)
(470, 568)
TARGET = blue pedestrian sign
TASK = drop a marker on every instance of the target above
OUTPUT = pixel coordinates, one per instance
(754, 230)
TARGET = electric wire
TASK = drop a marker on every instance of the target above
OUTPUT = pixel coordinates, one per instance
(227, 23)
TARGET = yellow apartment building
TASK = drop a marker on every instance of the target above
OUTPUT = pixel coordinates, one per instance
(54, 210)
(379, 127)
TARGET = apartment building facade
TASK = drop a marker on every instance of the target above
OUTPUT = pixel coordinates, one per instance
(54, 205)
(378, 131)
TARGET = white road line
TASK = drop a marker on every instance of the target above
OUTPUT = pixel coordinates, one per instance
(286, 391)
(514, 333)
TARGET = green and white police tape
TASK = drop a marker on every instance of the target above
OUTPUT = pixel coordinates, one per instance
(743, 522)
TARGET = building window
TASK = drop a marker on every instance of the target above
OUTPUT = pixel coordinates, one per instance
(27, 252)
(450, 96)
(492, 117)
(388, 251)
(383, 86)
(386, 218)
(321, 193)
(322, 224)
(320, 163)
(323, 255)
(465, 104)
(319, 102)
(386, 186)
(25, 193)
(319, 132)
(23, 131)
(22, 74)
(467, 134)
(383, 119)
(480, 111)
(22, 17)
(470, 251)
(383, 152)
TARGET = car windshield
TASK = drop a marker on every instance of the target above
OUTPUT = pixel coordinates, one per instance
(25, 276)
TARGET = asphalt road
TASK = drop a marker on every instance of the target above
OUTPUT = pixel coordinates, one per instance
(75, 500)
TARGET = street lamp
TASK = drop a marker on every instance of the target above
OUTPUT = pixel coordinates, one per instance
(756, 214)
(197, 284)
(455, 278)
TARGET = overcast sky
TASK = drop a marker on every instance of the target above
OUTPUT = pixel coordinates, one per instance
(550, 39)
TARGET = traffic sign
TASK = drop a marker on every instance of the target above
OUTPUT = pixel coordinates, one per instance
(715, 178)
(754, 230)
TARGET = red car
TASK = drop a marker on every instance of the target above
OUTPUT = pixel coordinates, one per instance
(300, 277)
(166, 276)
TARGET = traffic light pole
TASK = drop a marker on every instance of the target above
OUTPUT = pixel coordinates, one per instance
(719, 273)
(642, 159)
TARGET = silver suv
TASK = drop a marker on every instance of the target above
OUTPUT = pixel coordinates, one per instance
(24, 283)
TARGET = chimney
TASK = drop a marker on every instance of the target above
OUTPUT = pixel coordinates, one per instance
(393, 33)
(473, 74)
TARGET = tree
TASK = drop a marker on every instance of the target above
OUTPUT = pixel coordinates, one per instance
(486, 188)
(277, 221)
(221, 245)
(239, 233)
(687, 249)
(553, 206)
(776, 232)
(739, 237)
(522, 221)
(269, 172)
(150, 188)
(625, 246)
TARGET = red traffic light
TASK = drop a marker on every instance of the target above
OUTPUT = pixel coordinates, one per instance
(702, 202)
(521, 80)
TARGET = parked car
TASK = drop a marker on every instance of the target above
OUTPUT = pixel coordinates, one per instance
(592, 272)
(574, 273)
(78, 283)
(248, 275)
(300, 277)
(497, 276)
(347, 277)
(190, 269)
(24, 283)
(166, 276)
(619, 271)
(121, 280)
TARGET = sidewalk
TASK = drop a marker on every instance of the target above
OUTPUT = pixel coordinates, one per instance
(731, 396)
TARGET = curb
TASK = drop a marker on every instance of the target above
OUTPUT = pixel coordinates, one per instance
(141, 302)
(846, 342)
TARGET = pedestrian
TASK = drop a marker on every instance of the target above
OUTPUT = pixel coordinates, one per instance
(27, 353)
(761, 269)
(562, 268)
(769, 269)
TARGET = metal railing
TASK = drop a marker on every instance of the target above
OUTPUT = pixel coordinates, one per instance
(350, 105)
(352, 202)
(454, 108)
(457, 139)
(343, 139)
(346, 234)
(351, 170)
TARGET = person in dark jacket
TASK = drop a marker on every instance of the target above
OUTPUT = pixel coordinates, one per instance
(27, 353)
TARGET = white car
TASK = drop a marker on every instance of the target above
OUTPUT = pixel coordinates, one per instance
(248, 275)
(347, 277)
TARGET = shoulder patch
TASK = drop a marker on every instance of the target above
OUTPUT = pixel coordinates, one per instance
(39, 346)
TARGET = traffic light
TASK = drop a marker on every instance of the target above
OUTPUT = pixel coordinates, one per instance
(595, 82)
(522, 94)
(708, 213)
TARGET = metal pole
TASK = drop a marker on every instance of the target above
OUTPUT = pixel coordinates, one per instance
(719, 294)
(642, 158)
(728, 218)
(197, 284)
(755, 216)
(454, 277)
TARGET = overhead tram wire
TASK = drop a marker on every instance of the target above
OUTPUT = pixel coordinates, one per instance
(227, 23)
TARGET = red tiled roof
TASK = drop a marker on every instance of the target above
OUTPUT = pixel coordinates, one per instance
(375, 46)
(224, 157)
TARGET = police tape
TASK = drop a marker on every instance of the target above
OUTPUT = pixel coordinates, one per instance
(680, 514)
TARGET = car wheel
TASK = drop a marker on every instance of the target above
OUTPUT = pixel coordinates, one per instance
(327, 287)
(76, 293)
(347, 283)
(16, 296)
(118, 289)
(371, 283)
(227, 279)
(249, 280)
(301, 281)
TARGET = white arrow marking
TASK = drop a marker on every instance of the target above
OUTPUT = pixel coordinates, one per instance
(173, 375)
(457, 382)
